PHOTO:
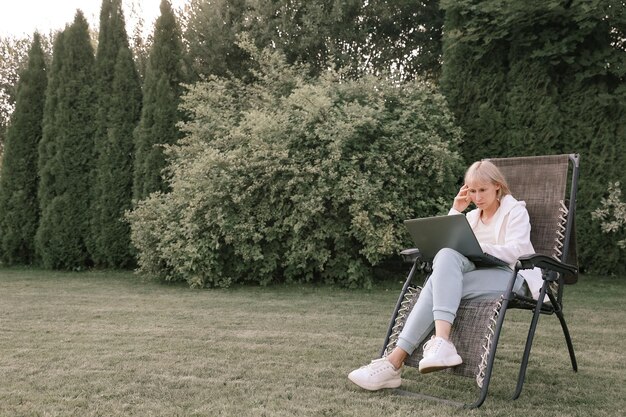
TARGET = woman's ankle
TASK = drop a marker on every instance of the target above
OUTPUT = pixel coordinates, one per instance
(397, 357)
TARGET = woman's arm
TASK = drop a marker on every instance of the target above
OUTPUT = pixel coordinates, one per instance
(462, 200)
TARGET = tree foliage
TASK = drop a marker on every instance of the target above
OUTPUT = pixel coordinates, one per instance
(162, 89)
(118, 92)
(66, 151)
(14, 60)
(373, 36)
(404, 36)
(317, 33)
(541, 77)
(211, 29)
(116, 166)
(19, 208)
(296, 179)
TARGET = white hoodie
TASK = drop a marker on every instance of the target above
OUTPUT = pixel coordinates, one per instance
(512, 228)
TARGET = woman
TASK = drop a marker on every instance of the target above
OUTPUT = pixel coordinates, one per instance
(502, 226)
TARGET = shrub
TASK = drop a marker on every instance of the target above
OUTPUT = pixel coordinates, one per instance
(296, 179)
(612, 214)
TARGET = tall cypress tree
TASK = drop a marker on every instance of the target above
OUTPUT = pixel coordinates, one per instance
(48, 144)
(164, 74)
(118, 106)
(66, 160)
(19, 208)
(115, 165)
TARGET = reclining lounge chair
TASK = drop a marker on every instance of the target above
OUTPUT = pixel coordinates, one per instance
(542, 182)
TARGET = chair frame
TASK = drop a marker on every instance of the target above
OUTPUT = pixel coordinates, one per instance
(555, 271)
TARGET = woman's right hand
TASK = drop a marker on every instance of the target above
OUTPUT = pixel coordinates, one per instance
(462, 199)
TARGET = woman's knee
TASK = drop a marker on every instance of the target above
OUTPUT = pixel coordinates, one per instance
(448, 256)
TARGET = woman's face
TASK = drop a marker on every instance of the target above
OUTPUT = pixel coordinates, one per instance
(483, 195)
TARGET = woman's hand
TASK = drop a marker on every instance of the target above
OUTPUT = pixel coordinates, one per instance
(462, 199)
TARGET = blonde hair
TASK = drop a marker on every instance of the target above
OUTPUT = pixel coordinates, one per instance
(487, 172)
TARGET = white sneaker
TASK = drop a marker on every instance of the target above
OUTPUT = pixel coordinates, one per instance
(377, 375)
(439, 354)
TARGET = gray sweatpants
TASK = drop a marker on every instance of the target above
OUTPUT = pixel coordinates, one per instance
(454, 277)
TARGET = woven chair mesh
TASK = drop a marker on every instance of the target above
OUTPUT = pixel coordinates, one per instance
(471, 332)
(541, 182)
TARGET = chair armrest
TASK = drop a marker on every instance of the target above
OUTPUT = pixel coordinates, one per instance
(546, 262)
(411, 255)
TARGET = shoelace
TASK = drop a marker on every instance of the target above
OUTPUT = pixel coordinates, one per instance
(373, 365)
(432, 345)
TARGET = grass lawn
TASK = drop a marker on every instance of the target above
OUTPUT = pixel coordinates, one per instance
(110, 344)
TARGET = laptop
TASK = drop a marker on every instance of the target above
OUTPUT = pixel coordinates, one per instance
(430, 234)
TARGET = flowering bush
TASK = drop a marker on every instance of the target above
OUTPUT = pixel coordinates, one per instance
(296, 179)
(612, 213)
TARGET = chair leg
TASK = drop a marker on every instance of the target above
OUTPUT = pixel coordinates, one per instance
(568, 340)
(529, 342)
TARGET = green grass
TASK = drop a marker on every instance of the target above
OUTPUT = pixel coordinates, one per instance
(109, 344)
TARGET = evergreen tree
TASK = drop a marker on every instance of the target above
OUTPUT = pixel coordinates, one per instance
(118, 102)
(48, 143)
(13, 60)
(115, 165)
(67, 151)
(162, 90)
(19, 211)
